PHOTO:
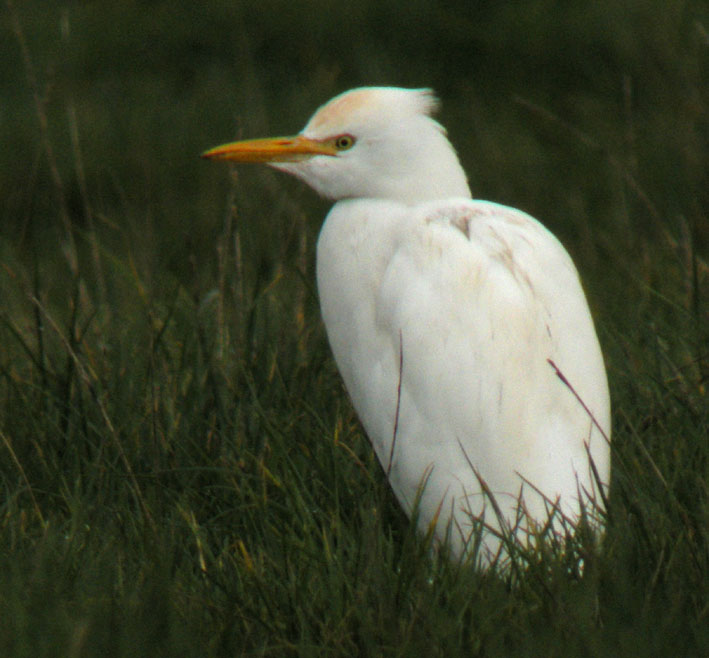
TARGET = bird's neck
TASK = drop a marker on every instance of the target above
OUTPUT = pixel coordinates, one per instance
(430, 172)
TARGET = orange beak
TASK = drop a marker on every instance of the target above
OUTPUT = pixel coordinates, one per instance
(274, 149)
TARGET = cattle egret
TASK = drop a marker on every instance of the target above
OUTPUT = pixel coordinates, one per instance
(459, 327)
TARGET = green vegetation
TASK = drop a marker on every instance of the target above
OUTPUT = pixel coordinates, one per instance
(181, 473)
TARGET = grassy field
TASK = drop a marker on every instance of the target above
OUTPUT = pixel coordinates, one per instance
(181, 472)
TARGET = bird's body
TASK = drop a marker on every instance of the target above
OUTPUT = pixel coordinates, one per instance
(443, 320)
(450, 320)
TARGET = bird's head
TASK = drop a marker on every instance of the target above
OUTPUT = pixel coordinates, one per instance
(372, 142)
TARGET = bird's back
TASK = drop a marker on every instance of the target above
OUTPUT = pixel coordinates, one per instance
(447, 321)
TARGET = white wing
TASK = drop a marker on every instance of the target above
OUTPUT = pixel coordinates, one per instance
(443, 319)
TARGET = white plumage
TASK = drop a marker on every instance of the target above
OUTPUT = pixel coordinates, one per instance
(447, 318)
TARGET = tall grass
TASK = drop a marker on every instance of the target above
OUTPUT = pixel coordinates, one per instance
(181, 471)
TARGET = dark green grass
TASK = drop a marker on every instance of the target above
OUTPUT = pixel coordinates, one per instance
(181, 473)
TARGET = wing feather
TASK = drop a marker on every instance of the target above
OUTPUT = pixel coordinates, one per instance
(450, 313)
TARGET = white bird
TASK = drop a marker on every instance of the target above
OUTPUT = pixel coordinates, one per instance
(460, 327)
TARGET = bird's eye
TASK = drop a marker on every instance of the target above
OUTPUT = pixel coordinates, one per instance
(344, 142)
